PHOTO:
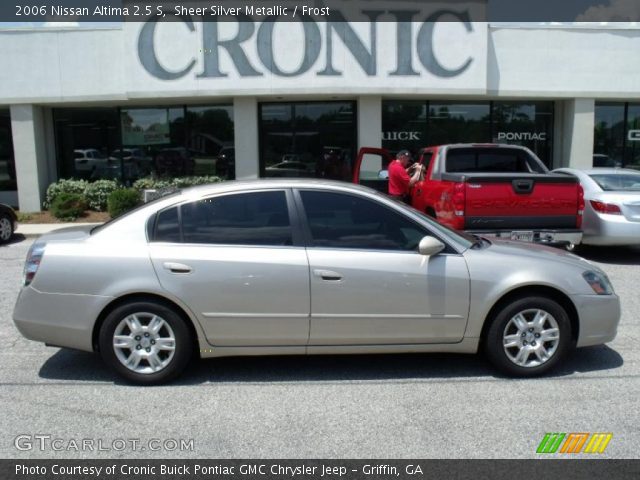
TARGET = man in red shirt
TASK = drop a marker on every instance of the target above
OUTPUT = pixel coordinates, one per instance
(399, 180)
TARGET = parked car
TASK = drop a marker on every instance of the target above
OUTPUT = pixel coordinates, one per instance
(612, 205)
(602, 160)
(8, 223)
(115, 171)
(86, 160)
(497, 190)
(303, 267)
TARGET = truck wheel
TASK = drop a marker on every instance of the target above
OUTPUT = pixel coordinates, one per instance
(529, 336)
(145, 342)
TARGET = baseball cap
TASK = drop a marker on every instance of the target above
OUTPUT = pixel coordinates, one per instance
(405, 153)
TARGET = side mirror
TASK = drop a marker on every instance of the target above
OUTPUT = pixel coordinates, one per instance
(430, 246)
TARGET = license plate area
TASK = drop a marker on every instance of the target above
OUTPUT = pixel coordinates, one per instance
(522, 235)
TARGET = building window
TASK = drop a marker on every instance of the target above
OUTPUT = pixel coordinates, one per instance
(414, 124)
(609, 134)
(307, 139)
(130, 143)
(7, 161)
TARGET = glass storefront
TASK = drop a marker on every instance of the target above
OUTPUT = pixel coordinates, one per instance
(307, 139)
(616, 139)
(7, 160)
(416, 124)
(131, 143)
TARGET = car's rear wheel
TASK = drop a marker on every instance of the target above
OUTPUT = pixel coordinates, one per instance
(528, 336)
(6, 228)
(145, 342)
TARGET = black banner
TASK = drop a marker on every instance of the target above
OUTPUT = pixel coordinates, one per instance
(41, 11)
(547, 469)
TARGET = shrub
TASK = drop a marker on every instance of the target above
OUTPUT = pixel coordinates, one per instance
(150, 183)
(193, 181)
(68, 206)
(122, 200)
(97, 194)
(64, 186)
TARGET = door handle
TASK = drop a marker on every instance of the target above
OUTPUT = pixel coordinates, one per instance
(327, 275)
(177, 267)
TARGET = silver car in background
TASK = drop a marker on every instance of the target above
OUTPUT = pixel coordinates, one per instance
(287, 266)
(612, 205)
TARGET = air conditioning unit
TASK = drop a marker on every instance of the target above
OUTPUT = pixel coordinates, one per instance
(149, 195)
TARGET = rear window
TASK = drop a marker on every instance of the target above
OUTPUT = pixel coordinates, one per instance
(491, 160)
(613, 182)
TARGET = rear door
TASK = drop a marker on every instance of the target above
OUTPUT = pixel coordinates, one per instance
(234, 260)
(371, 168)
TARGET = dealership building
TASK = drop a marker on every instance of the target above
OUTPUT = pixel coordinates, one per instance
(276, 98)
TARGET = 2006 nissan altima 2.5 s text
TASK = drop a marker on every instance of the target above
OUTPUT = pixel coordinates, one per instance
(303, 267)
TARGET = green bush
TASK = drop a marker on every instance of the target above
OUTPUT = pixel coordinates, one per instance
(64, 186)
(68, 206)
(185, 182)
(151, 183)
(122, 200)
(97, 193)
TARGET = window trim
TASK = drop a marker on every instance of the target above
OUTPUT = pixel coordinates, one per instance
(294, 220)
(448, 250)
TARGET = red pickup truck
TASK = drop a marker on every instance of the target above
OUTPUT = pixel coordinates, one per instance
(493, 190)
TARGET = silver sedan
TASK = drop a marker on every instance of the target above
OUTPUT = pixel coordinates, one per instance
(303, 267)
(612, 205)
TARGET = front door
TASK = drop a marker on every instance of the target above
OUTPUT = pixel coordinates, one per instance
(369, 285)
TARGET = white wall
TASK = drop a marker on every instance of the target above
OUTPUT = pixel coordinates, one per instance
(564, 62)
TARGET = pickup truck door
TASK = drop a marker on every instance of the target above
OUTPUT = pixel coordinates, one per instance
(370, 168)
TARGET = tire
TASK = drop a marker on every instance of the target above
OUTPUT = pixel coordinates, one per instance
(528, 356)
(154, 345)
(6, 228)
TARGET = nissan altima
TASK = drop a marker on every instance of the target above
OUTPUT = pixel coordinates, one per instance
(278, 267)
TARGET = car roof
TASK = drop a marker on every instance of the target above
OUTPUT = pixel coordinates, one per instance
(238, 185)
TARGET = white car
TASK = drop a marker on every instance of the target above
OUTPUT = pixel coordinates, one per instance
(612, 205)
(87, 159)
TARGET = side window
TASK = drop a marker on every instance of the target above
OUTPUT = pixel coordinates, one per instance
(260, 218)
(427, 158)
(338, 220)
(168, 226)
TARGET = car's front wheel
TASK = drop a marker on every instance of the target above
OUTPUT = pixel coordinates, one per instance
(6, 228)
(528, 336)
(145, 342)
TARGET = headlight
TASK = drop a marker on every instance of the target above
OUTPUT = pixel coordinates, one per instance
(599, 282)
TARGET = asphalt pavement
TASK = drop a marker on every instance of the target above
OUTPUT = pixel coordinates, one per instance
(387, 406)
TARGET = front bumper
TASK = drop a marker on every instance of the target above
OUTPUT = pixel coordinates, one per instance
(545, 237)
(599, 317)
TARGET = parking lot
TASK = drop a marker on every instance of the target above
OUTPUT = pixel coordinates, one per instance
(388, 406)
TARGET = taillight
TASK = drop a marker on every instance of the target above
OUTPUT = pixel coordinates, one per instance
(608, 208)
(458, 199)
(34, 257)
(580, 205)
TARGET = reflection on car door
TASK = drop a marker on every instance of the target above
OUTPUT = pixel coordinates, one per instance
(231, 259)
(368, 283)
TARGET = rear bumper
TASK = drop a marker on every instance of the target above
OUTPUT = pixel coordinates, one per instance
(543, 236)
(60, 320)
(610, 230)
(599, 317)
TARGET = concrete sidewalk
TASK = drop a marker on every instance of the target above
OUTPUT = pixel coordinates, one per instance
(37, 229)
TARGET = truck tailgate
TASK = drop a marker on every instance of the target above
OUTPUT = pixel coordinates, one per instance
(508, 201)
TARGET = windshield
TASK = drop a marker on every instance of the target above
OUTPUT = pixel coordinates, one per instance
(617, 182)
